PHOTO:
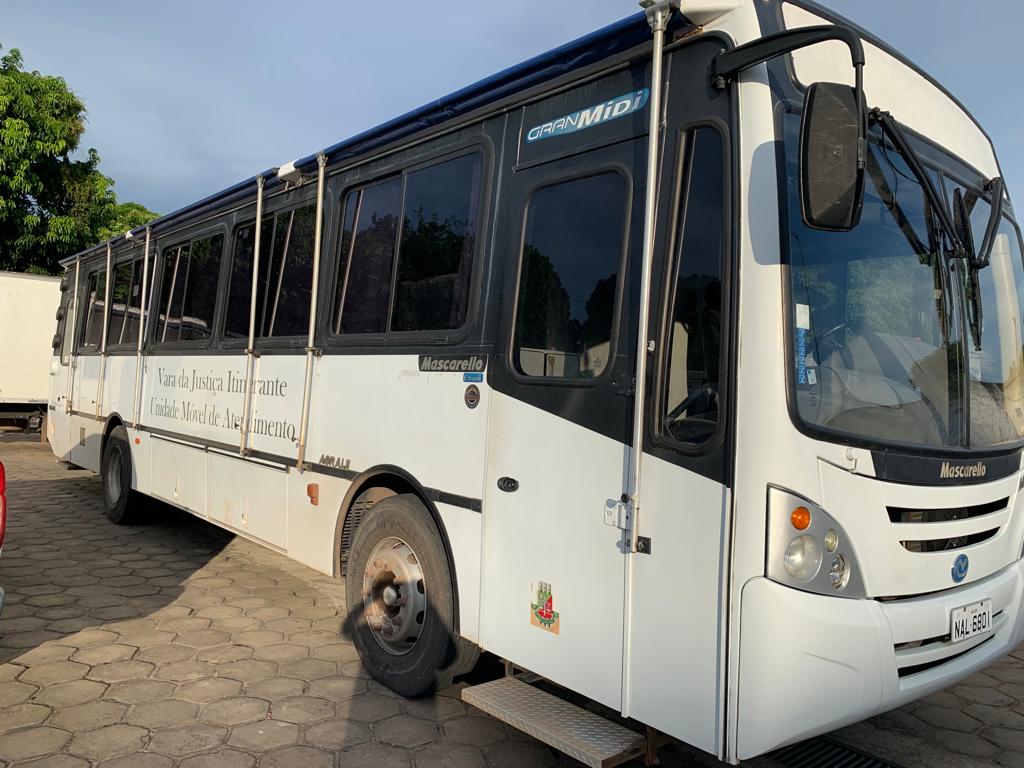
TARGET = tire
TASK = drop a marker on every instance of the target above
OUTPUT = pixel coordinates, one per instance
(116, 475)
(401, 600)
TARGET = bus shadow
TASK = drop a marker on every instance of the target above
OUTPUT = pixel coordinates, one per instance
(66, 569)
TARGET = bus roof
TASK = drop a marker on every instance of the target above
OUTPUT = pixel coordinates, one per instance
(584, 51)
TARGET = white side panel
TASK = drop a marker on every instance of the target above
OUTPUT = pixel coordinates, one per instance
(381, 409)
(676, 650)
(893, 86)
(463, 527)
(119, 386)
(250, 498)
(179, 475)
(311, 527)
(277, 404)
(28, 310)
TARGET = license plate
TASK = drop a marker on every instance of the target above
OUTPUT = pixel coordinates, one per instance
(970, 620)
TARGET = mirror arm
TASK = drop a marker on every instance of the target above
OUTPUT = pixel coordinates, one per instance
(985, 252)
(727, 65)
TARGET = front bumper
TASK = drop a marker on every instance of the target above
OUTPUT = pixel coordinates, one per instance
(812, 663)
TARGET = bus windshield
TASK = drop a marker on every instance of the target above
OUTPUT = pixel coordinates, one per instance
(886, 346)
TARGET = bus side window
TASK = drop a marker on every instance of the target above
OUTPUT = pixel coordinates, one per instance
(95, 303)
(284, 281)
(694, 343)
(435, 255)
(190, 278)
(120, 302)
(367, 256)
(568, 280)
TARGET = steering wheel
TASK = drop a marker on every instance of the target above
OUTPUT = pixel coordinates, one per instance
(677, 413)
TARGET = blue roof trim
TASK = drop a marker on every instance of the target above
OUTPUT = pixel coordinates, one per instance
(589, 49)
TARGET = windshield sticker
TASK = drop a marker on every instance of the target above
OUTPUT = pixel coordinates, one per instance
(801, 356)
(803, 316)
(605, 112)
(812, 377)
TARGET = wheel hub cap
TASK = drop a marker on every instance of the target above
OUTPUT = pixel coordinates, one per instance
(394, 596)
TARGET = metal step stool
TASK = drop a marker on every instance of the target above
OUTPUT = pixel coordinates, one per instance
(587, 737)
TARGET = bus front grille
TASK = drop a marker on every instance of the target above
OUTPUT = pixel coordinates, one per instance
(948, 514)
(954, 542)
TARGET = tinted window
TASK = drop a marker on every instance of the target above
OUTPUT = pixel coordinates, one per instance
(125, 304)
(95, 299)
(236, 324)
(693, 386)
(367, 255)
(435, 257)
(284, 277)
(190, 276)
(575, 233)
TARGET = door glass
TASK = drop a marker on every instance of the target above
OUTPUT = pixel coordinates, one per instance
(574, 239)
(694, 342)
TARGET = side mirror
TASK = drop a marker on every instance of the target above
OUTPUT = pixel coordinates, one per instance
(832, 144)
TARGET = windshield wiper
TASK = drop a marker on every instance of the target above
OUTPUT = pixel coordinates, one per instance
(892, 129)
(958, 249)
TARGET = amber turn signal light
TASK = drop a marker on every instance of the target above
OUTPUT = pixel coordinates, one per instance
(801, 518)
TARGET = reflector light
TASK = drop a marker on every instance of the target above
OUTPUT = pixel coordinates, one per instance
(801, 518)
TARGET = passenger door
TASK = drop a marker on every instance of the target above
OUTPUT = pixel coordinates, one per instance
(553, 570)
(58, 417)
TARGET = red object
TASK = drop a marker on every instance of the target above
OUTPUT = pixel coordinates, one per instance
(3, 503)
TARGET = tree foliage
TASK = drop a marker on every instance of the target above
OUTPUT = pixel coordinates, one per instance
(51, 204)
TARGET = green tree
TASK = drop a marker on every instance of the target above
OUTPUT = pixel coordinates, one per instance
(51, 205)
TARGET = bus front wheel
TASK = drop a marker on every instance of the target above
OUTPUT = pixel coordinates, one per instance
(401, 601)
(116, 474)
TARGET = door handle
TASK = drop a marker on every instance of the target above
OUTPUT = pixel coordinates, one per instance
(508, 484)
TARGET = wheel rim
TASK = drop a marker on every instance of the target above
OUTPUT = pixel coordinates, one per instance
(115, 470)
(394, 596)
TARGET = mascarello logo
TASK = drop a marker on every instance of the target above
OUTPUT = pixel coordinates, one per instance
(598, 114)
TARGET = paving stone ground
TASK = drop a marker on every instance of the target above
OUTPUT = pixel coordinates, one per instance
(174, 643)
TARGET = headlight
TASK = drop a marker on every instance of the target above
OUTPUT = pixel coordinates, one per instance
(809, 550)
(803, 558)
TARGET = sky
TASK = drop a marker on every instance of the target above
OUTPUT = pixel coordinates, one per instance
(189, 97)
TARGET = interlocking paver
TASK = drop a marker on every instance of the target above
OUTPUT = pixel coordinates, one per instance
(69, 694)
(297, 757)
(162, 714)
(222, 758)
(137, 760)
(32, 742)
(405, 731)
(57, 672)
(303, 709)
(264, 736)
(336, 734)
(120, 671)
(235, 711)
(209, 689)
(449, 756)
(377, 755)
(187, 740)
(140, 691)
(85, 717)
(109, 741)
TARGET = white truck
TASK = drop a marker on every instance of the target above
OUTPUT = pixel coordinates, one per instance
(28, 304)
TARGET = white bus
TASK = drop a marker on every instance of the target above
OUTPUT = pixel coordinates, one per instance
(410, 361)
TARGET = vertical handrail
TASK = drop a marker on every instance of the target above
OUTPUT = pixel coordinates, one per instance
(250, 351)
(321, 160)
(142, 332)
(658, 14)
(107, 291)
(74, 339)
